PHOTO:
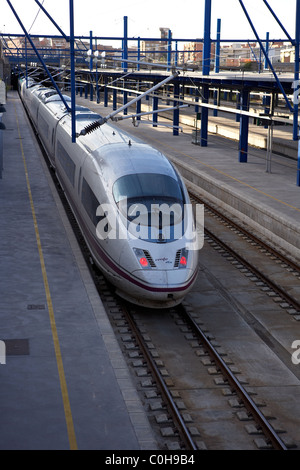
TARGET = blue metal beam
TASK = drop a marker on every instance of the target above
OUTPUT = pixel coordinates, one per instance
(279, 22)
(52, 20)
(120, 38)
(266, 56)
(38, 55)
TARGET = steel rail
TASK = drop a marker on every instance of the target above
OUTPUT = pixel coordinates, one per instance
(252, 236)
(273, 285)
(178, 420)
(269, 432)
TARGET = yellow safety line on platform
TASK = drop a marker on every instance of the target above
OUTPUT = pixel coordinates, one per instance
(63, 384)
(226, 174)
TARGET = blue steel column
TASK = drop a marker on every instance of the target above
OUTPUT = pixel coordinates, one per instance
(91, 88)
(169, 54)
(238, 106)
(97, 85)
(204, 117)
(244, 127)
(26, 58)
(176, 111)
(267, 50)
(155, 108)
(205, 71)
(218, 46)
(138, 104)
(91, 48)
(114, 99)
(216, 101)
(207, 41)
(105, 93)
(125, 44)
(72, 53)
(217, 63)
(139, 54)
(125, 57)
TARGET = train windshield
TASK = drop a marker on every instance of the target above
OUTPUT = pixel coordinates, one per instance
(152, 200)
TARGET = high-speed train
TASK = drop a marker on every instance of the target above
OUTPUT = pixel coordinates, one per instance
(129, 201)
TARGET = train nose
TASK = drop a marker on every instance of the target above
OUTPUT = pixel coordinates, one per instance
(162, 280)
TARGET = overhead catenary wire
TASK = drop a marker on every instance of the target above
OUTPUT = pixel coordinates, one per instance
(36, 17)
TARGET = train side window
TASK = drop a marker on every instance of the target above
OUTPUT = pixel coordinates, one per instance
(66, 162)
(44, 126)
(90, 202)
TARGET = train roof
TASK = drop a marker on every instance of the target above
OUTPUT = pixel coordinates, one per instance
(115, 150)
(122, 159)
(118, 152)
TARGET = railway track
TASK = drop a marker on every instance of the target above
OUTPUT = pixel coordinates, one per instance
(175, 431)
(277, 273)
(178, 420)
(180, 434)
(252, 408)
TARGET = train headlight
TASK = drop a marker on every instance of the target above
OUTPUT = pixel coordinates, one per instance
(143, 262)
(183, 262)
(144, 258)
(181, 258)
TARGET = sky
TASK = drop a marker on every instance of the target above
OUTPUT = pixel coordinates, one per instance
(185, 19)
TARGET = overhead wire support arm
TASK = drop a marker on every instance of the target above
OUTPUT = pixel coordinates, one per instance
(100, 122)
(133, 116)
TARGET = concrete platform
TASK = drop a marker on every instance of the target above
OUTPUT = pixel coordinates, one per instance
(64, 384)
(267, 201)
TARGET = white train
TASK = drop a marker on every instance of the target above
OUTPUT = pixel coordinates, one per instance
(127, 198)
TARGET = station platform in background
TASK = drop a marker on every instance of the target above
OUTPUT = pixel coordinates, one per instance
(64, 383)
(267, 201)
